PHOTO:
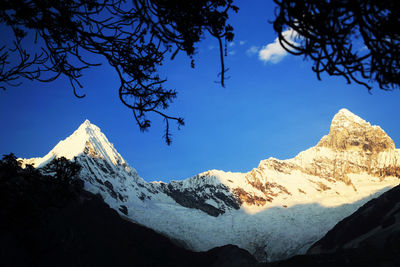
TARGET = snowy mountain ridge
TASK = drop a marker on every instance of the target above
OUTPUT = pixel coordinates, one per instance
(87, 139)
(276, 210)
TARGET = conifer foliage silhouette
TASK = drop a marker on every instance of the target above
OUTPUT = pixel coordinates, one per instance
(358, 39)
(134, 37)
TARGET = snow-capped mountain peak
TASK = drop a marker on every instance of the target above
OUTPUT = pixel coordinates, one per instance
(350, 132)
(344, 117)
(280, 207)
(96, 143)
(87, 139)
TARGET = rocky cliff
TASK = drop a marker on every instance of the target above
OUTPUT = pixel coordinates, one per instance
(274, 211)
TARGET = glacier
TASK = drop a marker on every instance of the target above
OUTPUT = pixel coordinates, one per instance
(277, 210)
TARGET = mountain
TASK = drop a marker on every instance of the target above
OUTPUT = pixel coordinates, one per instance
(276, 210)
(48, 221)
(368, 237)
(374, 228)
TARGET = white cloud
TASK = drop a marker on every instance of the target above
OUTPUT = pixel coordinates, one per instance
(242, 42)
(274, 52)
(230, 44)
(211, 47)
(252, 50)
(231, 53)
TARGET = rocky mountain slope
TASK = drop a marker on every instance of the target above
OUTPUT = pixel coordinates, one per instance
(48, 221)
(277, 210)
(374, 228)
(368, 237)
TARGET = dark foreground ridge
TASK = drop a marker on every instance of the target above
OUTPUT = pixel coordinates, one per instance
(368, 237)
(54, 222)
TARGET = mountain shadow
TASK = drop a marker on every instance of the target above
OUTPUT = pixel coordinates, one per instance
(54, 222)
(216, 208)
(368, 237)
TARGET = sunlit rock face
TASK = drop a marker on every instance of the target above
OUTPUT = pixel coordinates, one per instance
(277, 210)
(349, 132)
(352, 146)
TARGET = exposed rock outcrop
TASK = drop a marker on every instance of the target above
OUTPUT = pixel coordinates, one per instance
(353, 146)
(350, 132)
(282, 205)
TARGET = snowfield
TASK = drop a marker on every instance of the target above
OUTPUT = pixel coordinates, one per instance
(275, 211)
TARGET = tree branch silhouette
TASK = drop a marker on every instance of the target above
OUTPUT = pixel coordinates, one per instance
(358, 40)
(134, 38)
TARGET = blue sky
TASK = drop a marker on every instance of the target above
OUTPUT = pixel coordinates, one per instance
(268, 108)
